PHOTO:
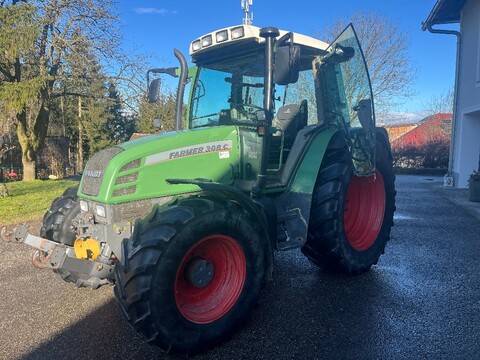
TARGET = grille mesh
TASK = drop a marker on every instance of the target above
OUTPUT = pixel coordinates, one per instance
(124, 191)
(131, 165)
(136, 209)
(94, 171)
(126, 179)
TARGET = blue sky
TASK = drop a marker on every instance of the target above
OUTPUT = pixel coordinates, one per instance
(157, 26)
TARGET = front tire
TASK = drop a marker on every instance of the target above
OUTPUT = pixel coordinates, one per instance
(58, 220)
(190, 274)
(351, 216)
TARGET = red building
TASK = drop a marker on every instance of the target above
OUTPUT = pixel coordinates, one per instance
(397, 131)
(422, 145)
(432, 129)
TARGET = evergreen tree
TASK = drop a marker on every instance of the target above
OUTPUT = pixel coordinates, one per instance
(163, 109)
(120, 125)
(45, 45)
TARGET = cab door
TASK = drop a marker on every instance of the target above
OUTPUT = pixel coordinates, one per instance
(345, 98)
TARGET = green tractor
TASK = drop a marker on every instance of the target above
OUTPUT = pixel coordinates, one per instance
(279, 151)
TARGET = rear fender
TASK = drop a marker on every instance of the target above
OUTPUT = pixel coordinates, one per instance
(305, 174)
(293, 206)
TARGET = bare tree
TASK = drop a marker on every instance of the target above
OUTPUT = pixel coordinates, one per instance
(385, 47)
(439, 103)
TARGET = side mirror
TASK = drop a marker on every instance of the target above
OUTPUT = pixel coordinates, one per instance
(364, 111)
(154, 85)
(287, 65)
(339, 54)
(153, 89)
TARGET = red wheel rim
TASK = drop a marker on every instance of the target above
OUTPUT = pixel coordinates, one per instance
(364, 210)
(221, 290)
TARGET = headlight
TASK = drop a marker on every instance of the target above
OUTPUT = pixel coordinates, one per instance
(83, 205)
(238, 32)
(221, 36)
(100, 210)
(196, 45)
(207, 41)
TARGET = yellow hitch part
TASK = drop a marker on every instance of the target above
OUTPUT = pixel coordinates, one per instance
(86, 249)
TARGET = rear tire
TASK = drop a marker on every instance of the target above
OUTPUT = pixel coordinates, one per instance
(190, 274)
(351, 216)
(57, 224)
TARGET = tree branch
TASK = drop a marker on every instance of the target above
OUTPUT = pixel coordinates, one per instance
(7, 74)
(72, 93)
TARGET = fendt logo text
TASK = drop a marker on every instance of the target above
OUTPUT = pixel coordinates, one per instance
(93, 173)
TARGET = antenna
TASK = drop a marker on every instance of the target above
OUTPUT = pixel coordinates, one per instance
(248, 18)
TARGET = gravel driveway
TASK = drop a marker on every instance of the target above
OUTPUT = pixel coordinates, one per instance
(421, 301)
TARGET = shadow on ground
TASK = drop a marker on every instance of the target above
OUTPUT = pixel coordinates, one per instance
(293, 320)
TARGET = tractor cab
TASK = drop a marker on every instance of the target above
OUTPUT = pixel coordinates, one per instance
(229, 89)
(229, 85)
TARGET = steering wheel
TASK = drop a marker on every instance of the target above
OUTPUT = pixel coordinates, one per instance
(247, 109)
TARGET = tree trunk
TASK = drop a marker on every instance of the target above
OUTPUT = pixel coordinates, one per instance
(31, 140)
(79, 163)
(80, 149)
(28, 169)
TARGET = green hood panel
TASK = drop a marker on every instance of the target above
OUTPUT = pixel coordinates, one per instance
(137, 169)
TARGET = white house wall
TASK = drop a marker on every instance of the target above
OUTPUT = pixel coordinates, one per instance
(466, 155)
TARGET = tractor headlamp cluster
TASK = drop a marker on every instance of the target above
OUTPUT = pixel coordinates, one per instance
(83, 205)
(219, 37)
(99, 209)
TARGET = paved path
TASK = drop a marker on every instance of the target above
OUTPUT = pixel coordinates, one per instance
(421, 301)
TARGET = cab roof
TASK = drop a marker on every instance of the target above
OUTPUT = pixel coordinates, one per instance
(245, 38)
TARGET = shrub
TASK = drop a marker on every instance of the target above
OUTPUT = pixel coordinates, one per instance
(433, 155)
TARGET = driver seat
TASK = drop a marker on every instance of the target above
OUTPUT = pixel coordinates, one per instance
(290, 119)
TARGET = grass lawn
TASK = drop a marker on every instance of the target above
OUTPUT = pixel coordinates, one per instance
(30, 200)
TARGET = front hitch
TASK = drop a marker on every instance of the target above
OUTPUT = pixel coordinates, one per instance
(46, 249)
(53, 255)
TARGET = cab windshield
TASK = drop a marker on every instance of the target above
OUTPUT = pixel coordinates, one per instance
(230, 92)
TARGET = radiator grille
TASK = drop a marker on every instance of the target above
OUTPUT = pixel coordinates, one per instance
(136, 209)
(94, 171)
(131, 165)
(124, 191)
(126, 179)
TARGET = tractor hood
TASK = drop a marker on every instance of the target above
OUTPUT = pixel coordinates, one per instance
(137, 169)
